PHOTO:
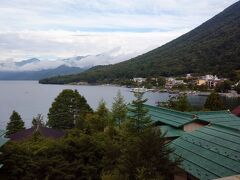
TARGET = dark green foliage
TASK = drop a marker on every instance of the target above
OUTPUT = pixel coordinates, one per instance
(67, 108)
(119, 109)
(146, 156)
(214, 102)
(161, 81)
(223, 87)
(212, 48)
(99, 120)
(179, 103)
(78, 156)
(97, 149)
(138, 118)
(16, 123)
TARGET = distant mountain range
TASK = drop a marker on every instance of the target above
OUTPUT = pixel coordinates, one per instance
(213, 47)
(35, 69)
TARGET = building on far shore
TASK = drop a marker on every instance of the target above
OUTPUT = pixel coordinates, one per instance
(170, 82)
(139, 80)
(210, 80)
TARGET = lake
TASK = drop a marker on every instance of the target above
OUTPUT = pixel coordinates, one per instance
(30, 98)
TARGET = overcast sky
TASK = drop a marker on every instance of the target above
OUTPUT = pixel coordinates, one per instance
(50, 29)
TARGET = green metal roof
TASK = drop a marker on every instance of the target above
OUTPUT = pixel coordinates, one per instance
(170, 131)
(210, 152)
(169, 116)
(2, 132)
(224, 118)
(3, 141)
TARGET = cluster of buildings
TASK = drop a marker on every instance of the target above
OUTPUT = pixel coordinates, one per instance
(208, 80)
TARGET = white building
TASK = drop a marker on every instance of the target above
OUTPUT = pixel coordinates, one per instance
(139, 80)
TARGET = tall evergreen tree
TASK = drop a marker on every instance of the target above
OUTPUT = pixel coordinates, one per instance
(67, 108)
(214, 102)
(100, 119)
(119, 109)
(139, 119)
(146, 156)
(16, 123)
(103, 114)
(179, 103)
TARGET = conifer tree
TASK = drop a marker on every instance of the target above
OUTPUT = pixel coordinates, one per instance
(16, 123)
(139, 119)
(67, 108)
(103, 114)
(214, 102)
(119, 109)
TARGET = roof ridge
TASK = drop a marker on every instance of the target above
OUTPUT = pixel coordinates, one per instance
(172, 110)
(168, 119)
(186, 115)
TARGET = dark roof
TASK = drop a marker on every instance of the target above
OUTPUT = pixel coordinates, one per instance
(210, 152)
(44, 131)
(236, 111)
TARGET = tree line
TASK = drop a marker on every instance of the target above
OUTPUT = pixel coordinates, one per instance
(121, 143)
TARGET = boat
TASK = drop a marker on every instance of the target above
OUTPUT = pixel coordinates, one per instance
(139, 90)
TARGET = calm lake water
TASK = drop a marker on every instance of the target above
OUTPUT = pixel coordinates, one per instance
(30, 98)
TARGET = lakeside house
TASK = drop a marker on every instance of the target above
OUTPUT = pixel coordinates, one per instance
(207, 142)
(210, 80)
(170, 82)
(139, 80)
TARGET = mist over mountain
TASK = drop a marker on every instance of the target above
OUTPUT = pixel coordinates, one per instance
(35, 69)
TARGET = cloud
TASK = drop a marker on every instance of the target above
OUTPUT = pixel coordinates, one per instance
(56, 44)
(63, 28)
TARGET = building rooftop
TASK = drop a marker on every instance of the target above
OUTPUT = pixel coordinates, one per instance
(224, 118)
(171, 132)
(210, 152)
(44, 131)
(169, 116)
(2, 132)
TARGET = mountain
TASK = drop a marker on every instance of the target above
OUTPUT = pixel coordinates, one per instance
(36, 75)
(35, 69)
(213, 47)
(28, 61)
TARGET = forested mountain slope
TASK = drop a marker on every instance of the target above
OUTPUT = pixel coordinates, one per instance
(213, 47)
